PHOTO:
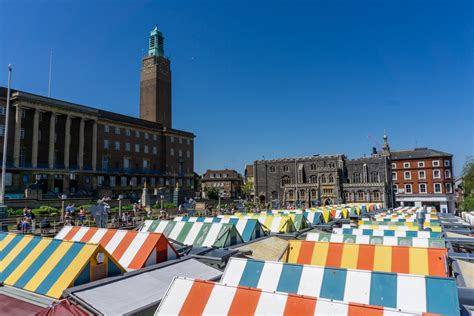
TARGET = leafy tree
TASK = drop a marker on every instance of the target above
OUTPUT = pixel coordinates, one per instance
(246, 189)
(468, 185)
(212, 193)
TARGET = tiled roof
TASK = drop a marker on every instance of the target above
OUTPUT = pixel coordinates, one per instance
(418, 153)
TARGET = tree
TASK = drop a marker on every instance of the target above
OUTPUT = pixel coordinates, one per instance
(247, 189)
(468, 185)
(212, 193)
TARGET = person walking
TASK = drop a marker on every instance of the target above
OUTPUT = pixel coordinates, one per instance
(420, 217)
(82, 215)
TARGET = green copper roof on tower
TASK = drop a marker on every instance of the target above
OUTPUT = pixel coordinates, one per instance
(155, 47)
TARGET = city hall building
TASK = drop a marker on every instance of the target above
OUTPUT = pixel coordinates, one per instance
(75, 149)
(325, 179)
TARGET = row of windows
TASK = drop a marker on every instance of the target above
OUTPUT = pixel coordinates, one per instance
(128, 147)
(362, 196)
(421, 164)
(312, 179)
(133, 181)
(146, 135)
(180, 153)
(218, 175)
(422, 188)
(127, 164)
(422, 174)
(374, 177)
(313, 166)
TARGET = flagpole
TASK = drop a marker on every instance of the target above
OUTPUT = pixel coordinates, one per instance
(5, 141)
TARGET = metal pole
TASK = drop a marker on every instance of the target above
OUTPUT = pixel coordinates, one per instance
(120, 209)
(5, 139)
(62, 210)
(296, 184)
(50, 73)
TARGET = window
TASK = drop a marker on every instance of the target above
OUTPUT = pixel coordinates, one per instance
(406, 165)
(188, 154)
(360, 196)
(327, 191)
(23, 114)
(106, 128)
(323, 179)
(127, 132)
(146, 164)
(137, 148)
(180, 140)
(180, 153)
(117, 145)
(408, 189)
(395, 188)
(447, 173)
(155, 150)
(302, 194)
(137, 134)
(2, 130)
(117, 131)
(123, 181)
(145, 149)
(394, 165)
(171, 151)
(422, 187)
(312, 166)
(285, 180)
(374, 177)
(286, 168)
(272, 169)
(188, 141)
(3, 110)
(356, 177)
(313, 179)
(155, 137)
(331, 178)
(347, 196)
(449, 188)
(314, 195)
(407, 175)
(127, 146)
(435, 163)
(40, 116)
(394, 175)
(436, 174)
(421, 174)
(112, 181)
(376, 195)
(105, 163)
(291, 195)
(421, 164)
(39, 135)
(437, 188)
(126, 163)
(100, 181)
(146, 135)
(172, 139)
(22, 133)
(106, 144)
(447, 163)
(133, 181)
(153, 182)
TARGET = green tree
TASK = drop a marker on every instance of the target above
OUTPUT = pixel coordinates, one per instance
(212, 193)
(247, 189)
(468, 185)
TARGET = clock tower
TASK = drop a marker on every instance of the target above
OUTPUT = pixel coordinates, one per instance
(155, 83)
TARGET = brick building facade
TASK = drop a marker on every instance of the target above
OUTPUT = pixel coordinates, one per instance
(228, 182)
(76, 149)
(424, 176)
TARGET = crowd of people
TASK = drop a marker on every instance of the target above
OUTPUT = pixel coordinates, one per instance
(28, 222)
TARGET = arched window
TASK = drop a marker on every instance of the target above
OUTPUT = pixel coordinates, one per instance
(331, 178)
(272, 169)
(314, 194)
(313, 179)
(376, 195)
(356, 177)
(286, 168)
(302, 194)
(360, 196)
(374, 177)
(312, 166)
(285, 180)
(323, 179)
(347, 196)
(291, 195)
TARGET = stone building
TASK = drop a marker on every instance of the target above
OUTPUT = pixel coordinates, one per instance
(228, 182)
(324, 179)
(76, 149)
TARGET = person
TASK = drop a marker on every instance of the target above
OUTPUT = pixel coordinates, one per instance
(32, 218)
(180, 209)
(82, 215)
(420, 217)
(25, 225)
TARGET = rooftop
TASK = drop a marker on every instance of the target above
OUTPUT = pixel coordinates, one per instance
(418, 153)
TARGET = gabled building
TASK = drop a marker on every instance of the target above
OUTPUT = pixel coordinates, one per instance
(227, 182)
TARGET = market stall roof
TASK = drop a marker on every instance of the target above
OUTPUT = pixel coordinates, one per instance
(378, 240)
(63, 308)
(132, 249)
(433, 294)
(196, 297)
(11, 306)
(48, 266)
(272, 223)
(371, 232)
(196, 234)
(436, 229)
(249, 229)
(270, 248)
(112, 296)
(398, 259)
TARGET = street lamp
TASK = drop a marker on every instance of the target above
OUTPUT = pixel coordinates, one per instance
(120, 198)
(3, 207)
(63, 198)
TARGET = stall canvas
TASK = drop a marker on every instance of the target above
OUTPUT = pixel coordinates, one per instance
(433, 294)
(398, 259)
(132, 249)
(198, 234)
(272, 223)
(48, 266)
(371, 232)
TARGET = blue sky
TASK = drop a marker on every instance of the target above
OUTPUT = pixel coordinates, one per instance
(269, 79)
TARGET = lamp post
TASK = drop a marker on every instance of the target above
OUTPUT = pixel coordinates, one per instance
(3, 207)
(63, 198)
(120, 198)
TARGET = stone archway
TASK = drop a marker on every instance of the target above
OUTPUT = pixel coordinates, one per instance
(262, 199)
(328, 202)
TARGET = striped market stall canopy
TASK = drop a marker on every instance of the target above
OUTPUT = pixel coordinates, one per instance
(433, 294)
(400, 219)
(196, 234)
(132, 249)
(299, 220)
(371, 232)
(195, 297)
(399, 223)
(398, 259)
(48, 266)
(436, 229)
(378, 240)
(272, 223)
(249, 229)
